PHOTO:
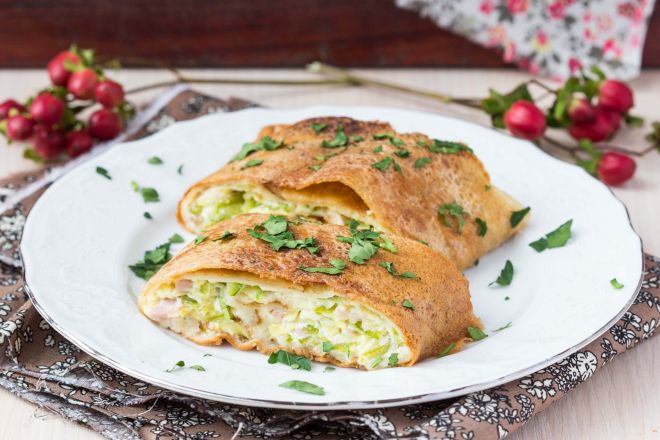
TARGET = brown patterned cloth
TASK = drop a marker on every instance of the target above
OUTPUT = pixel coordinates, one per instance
(41, 366)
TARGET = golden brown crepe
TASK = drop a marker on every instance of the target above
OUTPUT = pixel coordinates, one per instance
(424, 196)
(240, 290)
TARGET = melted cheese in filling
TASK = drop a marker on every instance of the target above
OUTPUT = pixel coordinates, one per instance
(218, 203)
(320, 323)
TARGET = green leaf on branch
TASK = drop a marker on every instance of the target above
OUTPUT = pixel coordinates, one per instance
(633, 121)
(653, 137)
(594, 156)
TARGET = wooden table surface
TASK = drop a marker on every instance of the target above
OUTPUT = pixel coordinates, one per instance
(622, 401)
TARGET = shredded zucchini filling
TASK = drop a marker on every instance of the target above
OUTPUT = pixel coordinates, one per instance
(219, 203)
(318, 323)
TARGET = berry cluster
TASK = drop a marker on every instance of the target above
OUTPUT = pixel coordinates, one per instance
(50, 121)
(590, 107)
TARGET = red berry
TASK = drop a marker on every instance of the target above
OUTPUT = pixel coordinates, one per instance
(78, 142)
(9, 105)
(104, 124)
(19, 128)
(81, 83)
(57, 72)
(48, 143)
(615, 168)
(109, 94)
(580, 110)
(47, 109)
(601, 128)
(612, 118)
(525, 120)
(615, 96)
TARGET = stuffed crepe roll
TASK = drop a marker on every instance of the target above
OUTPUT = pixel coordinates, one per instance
(348, 296)
(335, 169)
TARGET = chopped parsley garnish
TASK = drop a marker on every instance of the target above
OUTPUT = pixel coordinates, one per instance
(252, 163)
(135, 186)
(402, 153)
(327, 346)
(447, 349)
(393, 360)
(276, 231)
(324, 157)
(381, 136)
(378, 149)
(328, 369)
(504, 327)
(420, 143)
(506, 275)
(476, 333)
(365, 243)
(408, 304)
(356, 138)
(197, 367)
(149, 195)
(207, 355)
(554, 239)
(617, 285)
(318, 126)
(305, 387)
(265, 143)
(225, 236)
(340, 139)
(397, 142)
(147, 215)
(180, 170)
(176, 366)
(518, 216)
(200, 239)
(447, 147)
(315, 167)
(422, 162)
(449, 210)
(155, 160)
(103, 172)
(176, 238)
(482, 226)
(152, 261)
(384, 164)
(292, 360)
(390, 269)
(337, 268)
(397, 167)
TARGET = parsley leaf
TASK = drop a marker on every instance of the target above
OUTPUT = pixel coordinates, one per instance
(617, 285)
(155, 160)
(225, 235)
(476, 333)
(448, 147)
(324, 157)
(390, 269)
(554, 239)
(176, 366)
(252, 163)
(197, 367)
(328, 369)
(340, 139)
(327, 346)
(481, 224)
(200, 239)
(147, 215)
(381, 136)
(275, 230)
(447, 349)
(292, 360)
(448, 210)
(422, 162)
(176, 238)
(149, 195)
(402, 153)
(265, 143)
(356, 138)
(506, 275)
(180, 170)
(318, 126)
(152, 261)
(336, 269)
(393, 360)
(365, 243)
(383, 164)
(408, 304)
(305, 387)
(518, 216)
(420, 143)
(503, 327)
(103, 172)
(315, 167)
(378, 149)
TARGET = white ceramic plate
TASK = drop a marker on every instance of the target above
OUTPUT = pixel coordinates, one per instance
(85, 230)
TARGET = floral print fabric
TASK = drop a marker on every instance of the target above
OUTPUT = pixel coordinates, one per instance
(552, 38)
(39, 365)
